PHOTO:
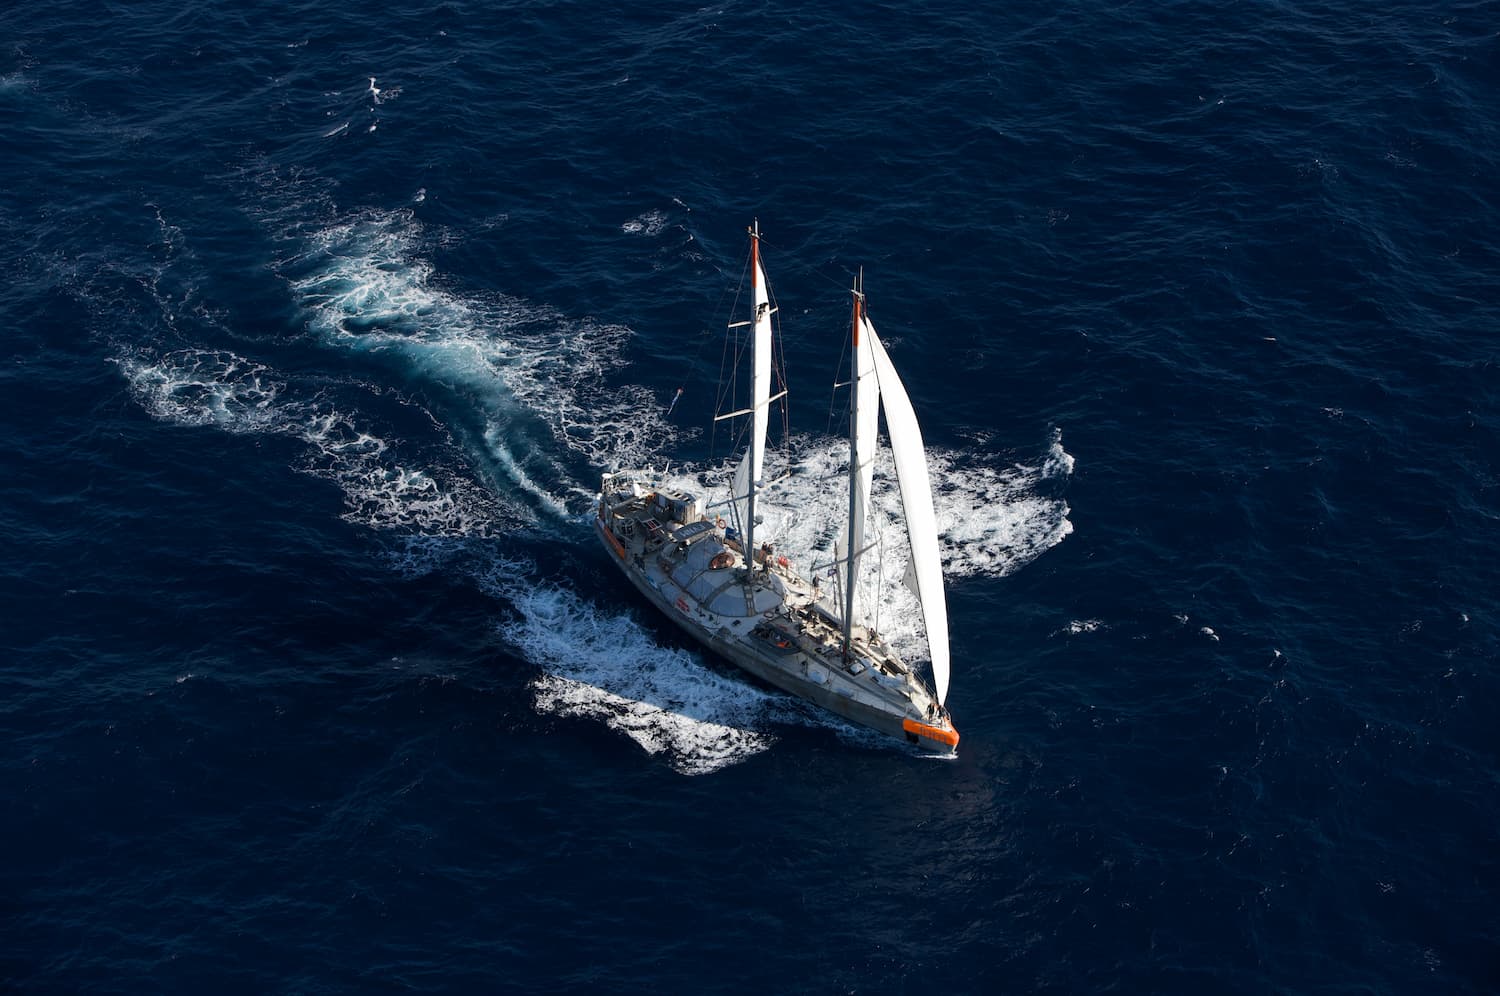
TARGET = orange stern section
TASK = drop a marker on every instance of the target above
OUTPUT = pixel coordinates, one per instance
(947, 736)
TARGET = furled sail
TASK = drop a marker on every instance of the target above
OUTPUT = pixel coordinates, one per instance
(864, 420)
(916, 501)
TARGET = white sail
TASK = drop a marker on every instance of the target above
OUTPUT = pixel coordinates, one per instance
(863, 424)
(916, 501)
(752, 464)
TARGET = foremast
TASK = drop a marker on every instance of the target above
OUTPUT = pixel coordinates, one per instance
(748, 474)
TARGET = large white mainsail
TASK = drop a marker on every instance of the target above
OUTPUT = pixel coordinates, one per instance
(752, 465)
(916, 502)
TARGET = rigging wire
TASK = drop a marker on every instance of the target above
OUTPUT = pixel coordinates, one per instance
(704, 336)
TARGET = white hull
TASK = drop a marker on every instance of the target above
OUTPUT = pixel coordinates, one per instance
(767, 620)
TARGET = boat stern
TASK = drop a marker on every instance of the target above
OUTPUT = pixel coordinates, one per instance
(937, 737)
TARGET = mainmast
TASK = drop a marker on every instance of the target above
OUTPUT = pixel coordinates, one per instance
(755, 417)
(856, 509)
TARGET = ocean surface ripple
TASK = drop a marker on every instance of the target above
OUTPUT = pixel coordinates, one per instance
(323, 320)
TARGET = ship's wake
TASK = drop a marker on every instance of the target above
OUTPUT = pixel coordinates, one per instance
(602, 665)
(520, 404)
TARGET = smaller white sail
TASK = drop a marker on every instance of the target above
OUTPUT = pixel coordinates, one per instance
(909, 579)
(752, 464)
(741, 493)
(916, 501)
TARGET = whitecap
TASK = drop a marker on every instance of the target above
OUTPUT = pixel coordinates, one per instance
(649, 223)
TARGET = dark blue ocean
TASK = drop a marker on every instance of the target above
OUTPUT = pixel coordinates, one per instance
(320, 322)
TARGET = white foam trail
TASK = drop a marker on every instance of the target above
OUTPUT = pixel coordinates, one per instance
(603, 665)
(495, 439)
(219, 388)
(368, 287)
(382, 494)
(206, 387)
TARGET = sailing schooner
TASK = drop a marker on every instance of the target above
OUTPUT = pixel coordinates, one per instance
(752, 607)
